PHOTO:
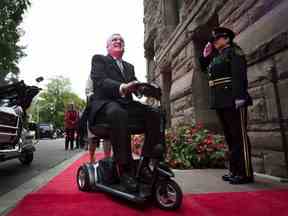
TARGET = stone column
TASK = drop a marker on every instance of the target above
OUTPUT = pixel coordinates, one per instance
(150, 64)
(166, 81)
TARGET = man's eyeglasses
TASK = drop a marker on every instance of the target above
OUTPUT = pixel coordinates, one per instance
(118, 39)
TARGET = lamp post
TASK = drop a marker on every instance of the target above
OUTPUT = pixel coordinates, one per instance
(52, 107)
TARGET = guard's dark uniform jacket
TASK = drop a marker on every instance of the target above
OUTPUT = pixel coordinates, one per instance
(227, 77)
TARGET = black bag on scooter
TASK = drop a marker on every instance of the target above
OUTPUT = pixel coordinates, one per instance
(107, 171)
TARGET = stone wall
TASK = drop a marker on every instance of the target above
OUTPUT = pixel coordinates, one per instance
(175, 35)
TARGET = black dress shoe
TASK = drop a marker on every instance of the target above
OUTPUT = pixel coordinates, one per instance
(241, 180)
(227, 177)
(146, 175)
(128, 182)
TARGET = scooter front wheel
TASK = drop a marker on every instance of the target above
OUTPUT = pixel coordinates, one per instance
(83, 182)
(168, 195)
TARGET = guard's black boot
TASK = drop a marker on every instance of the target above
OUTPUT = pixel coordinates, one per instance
(241, 180)
(227, 177)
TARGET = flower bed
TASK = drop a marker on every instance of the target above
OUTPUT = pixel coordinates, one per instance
(190, 146)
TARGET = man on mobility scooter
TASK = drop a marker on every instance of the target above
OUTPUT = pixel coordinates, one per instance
(114, 82)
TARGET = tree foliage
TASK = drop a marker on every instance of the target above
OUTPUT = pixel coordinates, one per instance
(11, 15)
(52, 102)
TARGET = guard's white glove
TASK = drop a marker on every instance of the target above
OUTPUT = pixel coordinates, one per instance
(239, 103)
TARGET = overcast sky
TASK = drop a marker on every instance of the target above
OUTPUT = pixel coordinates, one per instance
(62, 35)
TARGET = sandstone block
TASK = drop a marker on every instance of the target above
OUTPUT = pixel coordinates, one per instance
(266, 140)
(181, 85)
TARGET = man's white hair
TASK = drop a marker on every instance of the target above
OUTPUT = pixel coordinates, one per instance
(109, 40)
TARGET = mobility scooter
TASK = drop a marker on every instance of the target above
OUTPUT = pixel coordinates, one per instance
(102, 176)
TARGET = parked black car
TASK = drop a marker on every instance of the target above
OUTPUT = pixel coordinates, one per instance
(46, 130)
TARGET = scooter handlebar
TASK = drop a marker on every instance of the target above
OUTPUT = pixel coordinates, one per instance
(148, 90)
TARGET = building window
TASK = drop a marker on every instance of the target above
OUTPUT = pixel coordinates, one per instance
(172, 12)
(178, 10)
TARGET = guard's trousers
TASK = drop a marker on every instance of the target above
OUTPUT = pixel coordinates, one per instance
(234, 124)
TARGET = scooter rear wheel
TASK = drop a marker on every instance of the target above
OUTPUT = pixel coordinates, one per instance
(83, 182)
(168, 195)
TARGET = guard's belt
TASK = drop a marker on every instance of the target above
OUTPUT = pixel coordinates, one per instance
(220, 81)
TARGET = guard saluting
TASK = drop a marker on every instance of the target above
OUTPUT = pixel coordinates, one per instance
(225, 64)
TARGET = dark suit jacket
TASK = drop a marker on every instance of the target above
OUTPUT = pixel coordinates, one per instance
(107, 78)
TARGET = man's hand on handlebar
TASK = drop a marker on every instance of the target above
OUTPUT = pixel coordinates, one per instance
(140, 89)
(127, 88)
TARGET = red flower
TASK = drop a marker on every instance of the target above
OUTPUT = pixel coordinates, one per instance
(220, 146)
(209, 141)
(199, 125)
(193, 130)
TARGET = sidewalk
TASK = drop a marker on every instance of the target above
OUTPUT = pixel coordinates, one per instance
(191, 181)
(210, 181)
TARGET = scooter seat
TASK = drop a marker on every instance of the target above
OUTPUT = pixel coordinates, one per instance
(102, 129)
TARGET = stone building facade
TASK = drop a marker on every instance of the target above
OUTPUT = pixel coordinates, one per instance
(176, 32)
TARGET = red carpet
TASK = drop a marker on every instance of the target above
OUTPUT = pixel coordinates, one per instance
(61, 197)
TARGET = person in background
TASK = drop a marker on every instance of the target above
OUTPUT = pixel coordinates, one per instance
(93, 141)
(70, 123)
(226, 67)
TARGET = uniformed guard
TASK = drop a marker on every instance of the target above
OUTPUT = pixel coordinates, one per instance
(225, 64)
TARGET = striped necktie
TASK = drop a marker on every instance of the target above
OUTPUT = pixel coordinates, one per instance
(120, 65)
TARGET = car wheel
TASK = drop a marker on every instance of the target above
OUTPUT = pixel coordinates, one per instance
(26, 158)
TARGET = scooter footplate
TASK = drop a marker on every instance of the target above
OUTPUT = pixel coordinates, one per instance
(140, 196)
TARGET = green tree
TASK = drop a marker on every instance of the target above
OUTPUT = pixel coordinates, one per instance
(11, 15)
(52, 102)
